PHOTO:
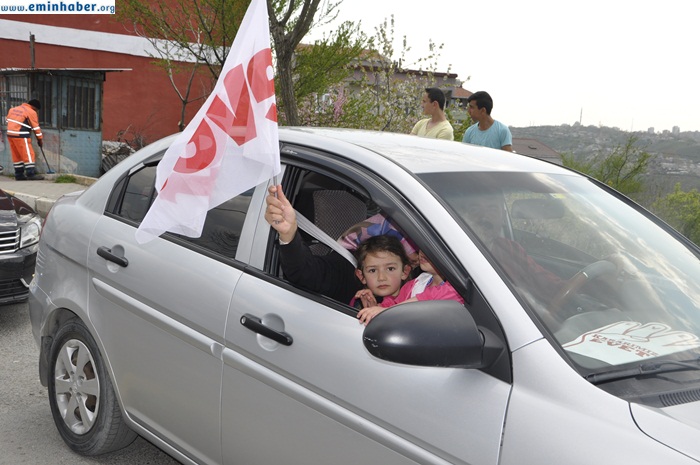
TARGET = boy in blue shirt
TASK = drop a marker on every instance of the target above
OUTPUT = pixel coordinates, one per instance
(486, 131)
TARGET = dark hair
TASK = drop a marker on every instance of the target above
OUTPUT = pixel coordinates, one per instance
(383, 243)
(436, 95)
(483, 100)
(35, 103)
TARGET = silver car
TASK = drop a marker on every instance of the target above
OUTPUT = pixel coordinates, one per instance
(577, 342)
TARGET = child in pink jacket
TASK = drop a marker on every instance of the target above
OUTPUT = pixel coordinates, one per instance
(429, 285)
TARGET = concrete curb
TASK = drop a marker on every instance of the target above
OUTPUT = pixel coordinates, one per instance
(82, 180)
(43, 203)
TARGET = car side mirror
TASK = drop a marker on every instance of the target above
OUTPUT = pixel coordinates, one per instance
(434, 333)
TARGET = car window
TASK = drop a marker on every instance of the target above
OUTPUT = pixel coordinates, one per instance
(222, 228)
(591, 266)
(138, 194)
(331, 205)
(348, 215)
(547, 225)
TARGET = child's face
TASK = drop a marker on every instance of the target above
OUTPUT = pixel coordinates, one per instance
(425, 264)
(382, 273)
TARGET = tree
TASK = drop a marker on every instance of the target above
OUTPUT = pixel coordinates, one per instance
(202, 31)
(197, 31)
(186, 35)
(380, 94)
(319, 71)
(172, 68)
(461, 128)
(682, 211)
(623, 169)
(290, 21)
(394, 92)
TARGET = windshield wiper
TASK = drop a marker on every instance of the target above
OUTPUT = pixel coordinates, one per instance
(649, 368)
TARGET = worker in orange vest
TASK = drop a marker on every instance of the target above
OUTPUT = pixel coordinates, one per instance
(21, 121)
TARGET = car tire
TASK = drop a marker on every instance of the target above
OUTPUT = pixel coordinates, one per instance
(83, 403)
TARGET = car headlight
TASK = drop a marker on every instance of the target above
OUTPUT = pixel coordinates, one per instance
(31, 231)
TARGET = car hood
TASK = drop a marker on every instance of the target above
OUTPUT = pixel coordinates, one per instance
(8, 216)
(677, 426)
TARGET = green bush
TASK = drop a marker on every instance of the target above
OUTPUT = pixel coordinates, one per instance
(65, 179)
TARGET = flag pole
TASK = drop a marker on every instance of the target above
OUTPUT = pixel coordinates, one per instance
(274, 180)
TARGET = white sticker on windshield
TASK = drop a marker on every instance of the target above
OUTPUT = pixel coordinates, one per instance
(629, 341)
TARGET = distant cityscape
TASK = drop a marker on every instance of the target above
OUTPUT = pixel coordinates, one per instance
(675, 130)
(675, 154)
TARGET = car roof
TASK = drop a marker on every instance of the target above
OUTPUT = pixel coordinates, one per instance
(412, 153)
(416, 154)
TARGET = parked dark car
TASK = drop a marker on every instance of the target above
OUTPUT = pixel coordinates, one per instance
(20, 227)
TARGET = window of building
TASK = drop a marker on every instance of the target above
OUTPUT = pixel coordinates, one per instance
(81, 98)
(45, 90)
(67, 102)
(13, 91)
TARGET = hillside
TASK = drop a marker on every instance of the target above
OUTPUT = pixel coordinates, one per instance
(675, 157)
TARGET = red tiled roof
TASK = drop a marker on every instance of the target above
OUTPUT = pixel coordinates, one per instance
(536, 149)
(460, 92)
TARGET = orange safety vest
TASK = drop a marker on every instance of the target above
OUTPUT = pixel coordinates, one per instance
(22, 120)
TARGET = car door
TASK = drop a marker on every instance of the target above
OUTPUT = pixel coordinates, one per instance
(316, 395)
(161, 309)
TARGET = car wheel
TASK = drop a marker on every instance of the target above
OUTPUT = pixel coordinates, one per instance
(83, 404)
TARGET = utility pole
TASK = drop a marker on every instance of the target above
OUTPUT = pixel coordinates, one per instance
(31, 50)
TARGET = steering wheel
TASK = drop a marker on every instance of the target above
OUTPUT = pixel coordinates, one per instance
(609, 266)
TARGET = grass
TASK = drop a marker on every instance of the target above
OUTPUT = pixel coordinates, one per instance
(65, 179)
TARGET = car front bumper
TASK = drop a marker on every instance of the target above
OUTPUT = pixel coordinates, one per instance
(16, 272)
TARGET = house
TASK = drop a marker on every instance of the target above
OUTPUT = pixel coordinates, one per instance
(373, 65)
(70, 115)
(536, 149)
(457, 98)
(376, 70)
(139, 104)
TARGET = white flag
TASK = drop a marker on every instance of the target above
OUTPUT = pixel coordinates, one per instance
(230, 146)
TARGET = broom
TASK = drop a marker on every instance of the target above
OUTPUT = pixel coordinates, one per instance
(49, 170)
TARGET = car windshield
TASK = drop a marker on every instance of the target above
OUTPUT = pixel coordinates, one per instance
(609, 283)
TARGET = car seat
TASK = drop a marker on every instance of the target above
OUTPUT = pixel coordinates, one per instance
(334, 212)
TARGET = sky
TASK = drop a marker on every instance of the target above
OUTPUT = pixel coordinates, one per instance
(617, 63)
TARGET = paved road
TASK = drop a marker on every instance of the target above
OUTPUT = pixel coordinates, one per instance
(27, 432)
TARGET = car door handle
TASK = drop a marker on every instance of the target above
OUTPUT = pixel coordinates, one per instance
(107, 254)
(255, 324)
